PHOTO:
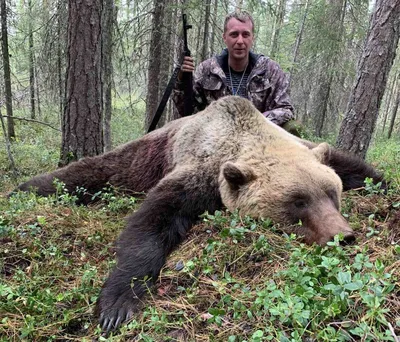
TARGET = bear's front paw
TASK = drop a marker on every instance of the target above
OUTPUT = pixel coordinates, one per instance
(115, 311)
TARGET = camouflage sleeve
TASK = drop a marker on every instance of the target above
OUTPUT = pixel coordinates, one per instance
(280, 110)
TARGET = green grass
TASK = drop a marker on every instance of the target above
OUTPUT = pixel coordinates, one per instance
(234, 279)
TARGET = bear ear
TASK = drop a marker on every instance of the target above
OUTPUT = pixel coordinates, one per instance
(322, 152)
(237, 174)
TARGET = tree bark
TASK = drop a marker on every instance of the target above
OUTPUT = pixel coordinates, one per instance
(277, 27)
(82, 120)
(214, 27)
(299, 37)
(59, 65)
(373, 69)
(204, 50)
(394, 113)
(198, 33)
(8, 148)
(107, 34)
(167, 53)
(31, 64)
(153, 75)
(389, 100)
(7, 71)
(334, 16)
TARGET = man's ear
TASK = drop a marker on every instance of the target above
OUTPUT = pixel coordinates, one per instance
(322, 152)
(237, 174)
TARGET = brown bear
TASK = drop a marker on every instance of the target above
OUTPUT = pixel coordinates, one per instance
(228, 155)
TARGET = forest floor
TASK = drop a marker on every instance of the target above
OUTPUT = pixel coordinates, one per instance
(234, 279)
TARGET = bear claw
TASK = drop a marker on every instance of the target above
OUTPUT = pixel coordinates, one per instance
(112, 320)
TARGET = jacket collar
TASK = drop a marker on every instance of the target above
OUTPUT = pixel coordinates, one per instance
(222, 59)
(221, 63)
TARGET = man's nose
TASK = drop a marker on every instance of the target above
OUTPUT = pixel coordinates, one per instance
(240, 39)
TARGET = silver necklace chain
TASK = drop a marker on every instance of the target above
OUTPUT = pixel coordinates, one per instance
(230, 75)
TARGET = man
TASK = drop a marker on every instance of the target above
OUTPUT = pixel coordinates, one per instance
(238, 71)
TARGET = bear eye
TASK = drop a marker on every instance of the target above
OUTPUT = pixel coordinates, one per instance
(334, 198)
(300, 203)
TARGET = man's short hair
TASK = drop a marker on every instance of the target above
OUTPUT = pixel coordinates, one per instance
(242, 16)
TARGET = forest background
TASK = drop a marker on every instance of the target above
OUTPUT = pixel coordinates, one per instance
(241, 279)
(134, 46)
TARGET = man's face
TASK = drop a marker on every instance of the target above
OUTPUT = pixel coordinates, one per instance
(238, 38)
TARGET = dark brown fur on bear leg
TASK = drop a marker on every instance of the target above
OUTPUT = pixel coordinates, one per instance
(160, 224)
(353, 170)
(137, 166)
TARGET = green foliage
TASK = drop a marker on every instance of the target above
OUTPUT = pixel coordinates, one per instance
(318, 286)
(115, 202)
(235, 279)
(386, 154)
(127, 122)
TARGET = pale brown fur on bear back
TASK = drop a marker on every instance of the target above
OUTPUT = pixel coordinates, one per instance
(228, 128)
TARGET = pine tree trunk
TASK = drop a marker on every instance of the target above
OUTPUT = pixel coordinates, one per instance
(59, 66)
(204, 51)
(153, 75)
(373, 70)
(277, 27)
(394, 113)
(31, 65)
(166, 55)
(7, 71)
(213, 27)
(82, 121)
(335, 17)
(389, 100)
(107, 34)
(298, 41)
(198, 34)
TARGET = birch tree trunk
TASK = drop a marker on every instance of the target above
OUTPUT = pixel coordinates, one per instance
(373, 69)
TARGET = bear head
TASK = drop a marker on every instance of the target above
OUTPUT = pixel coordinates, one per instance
(291, 186)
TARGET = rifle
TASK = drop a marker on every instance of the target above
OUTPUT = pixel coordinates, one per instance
(187, 80)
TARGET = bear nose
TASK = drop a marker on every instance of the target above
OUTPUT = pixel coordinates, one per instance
(348, 239)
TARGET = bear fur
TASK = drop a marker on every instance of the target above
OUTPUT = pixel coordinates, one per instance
(229, 156)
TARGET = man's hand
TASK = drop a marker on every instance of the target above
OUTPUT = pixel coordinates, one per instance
(187, 64)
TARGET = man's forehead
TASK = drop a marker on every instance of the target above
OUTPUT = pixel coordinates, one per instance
(236, 25)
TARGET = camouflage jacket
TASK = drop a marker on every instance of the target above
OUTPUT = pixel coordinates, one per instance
(267, 86)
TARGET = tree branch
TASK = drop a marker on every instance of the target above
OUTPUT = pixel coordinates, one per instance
(32, 120)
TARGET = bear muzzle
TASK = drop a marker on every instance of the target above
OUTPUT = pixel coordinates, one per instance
(323, 222)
